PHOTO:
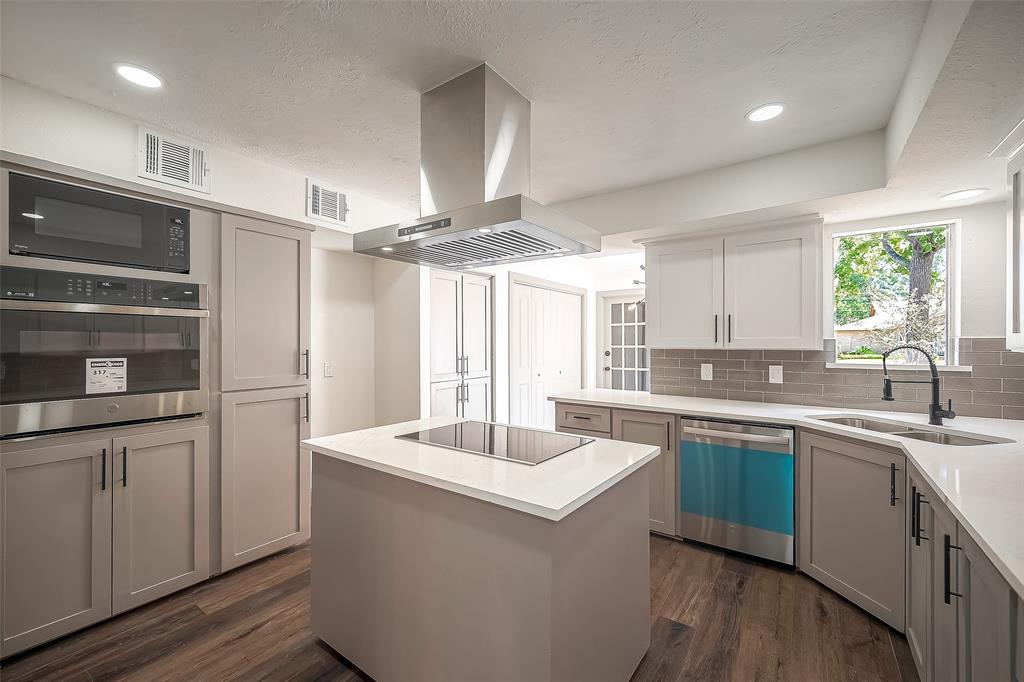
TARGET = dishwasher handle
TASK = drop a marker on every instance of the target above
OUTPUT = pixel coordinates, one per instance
(734, 435)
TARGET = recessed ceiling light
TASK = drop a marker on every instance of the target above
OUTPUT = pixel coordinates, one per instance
(33, 216)
(484, 230)
(138, 75)
(765, 112)
(964, 194)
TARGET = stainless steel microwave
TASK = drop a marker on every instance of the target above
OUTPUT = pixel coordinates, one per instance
(80, 350)
(49, 219)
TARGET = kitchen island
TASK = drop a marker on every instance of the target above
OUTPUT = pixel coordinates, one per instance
(435, 563)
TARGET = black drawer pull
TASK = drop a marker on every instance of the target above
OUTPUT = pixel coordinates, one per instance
(892, 485)
(579, 416)
(103, 470)
(946, 570)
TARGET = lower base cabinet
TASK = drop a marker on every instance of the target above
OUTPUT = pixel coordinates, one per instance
(265, 474)
(94, 528)
(651, 428)
(851, 531)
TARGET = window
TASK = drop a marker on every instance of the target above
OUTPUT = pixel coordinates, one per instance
(625, 353)
(891, 287)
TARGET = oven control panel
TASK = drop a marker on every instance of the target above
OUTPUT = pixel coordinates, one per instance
(74, 287)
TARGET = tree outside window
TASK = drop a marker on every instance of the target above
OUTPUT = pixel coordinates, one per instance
(890, 289)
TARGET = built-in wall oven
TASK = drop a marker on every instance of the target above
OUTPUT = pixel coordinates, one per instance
(49, 219)
(79, 350)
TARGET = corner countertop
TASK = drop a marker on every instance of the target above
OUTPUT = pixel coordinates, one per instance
(552, 489)
(982, 485)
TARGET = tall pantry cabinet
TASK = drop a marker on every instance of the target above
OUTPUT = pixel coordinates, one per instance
(265, 400)
(460, 345)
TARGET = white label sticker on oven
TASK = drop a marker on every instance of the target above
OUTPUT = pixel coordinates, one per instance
(106, 375)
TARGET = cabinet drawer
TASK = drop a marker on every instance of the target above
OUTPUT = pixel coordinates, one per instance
(583, 417)
(582, 432)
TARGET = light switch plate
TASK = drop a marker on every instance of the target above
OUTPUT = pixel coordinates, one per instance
(774, 374)
(707, 371)
(328, 369)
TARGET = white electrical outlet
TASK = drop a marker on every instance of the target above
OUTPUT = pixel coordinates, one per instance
(707, 371)
(774, 374)
(328, 369)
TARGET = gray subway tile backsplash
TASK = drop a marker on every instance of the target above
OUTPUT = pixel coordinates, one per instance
(993, 388)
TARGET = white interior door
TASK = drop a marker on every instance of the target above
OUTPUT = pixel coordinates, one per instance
(624, 355)
(545, 351)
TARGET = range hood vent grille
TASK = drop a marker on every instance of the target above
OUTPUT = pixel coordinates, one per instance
(479, 249)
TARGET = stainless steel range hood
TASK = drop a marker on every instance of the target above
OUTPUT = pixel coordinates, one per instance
(474, 185)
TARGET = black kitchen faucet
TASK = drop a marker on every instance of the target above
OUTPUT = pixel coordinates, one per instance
(935, 410)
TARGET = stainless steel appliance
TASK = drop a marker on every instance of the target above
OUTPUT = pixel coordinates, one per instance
(474, 185)
(49, 219)
(736, 487)
(501, 441)
(81, 350)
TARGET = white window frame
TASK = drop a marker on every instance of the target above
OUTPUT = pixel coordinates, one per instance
(603, 324)
(953, 302)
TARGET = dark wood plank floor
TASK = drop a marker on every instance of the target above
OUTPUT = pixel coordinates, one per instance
(715, 616)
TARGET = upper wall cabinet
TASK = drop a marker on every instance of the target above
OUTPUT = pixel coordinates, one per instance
(759, 289)
(265, 298)
(1015, 253)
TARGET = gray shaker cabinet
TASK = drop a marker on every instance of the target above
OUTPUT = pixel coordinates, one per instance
(55, 506)
(265, 475)
(986, 613)
(652, 428)
(265, 304)
(851, 531)
(161, 514)
(919, 568)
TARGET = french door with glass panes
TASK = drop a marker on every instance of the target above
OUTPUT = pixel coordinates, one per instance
(624, 357)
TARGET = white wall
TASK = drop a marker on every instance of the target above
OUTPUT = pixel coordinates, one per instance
(398, 326)
(982, 261)
(45, 125)
(342, 326)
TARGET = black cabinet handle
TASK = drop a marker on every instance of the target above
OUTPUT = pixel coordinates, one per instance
(920, 501)
(124, 466)
(913, 514)
(103, 470)
(577, 416)
(892, 485)
(729, 337)
(947, 593)
(716, 327)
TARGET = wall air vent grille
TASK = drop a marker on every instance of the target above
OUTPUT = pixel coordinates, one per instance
(173, 160)
(480, 249)
(324, 202)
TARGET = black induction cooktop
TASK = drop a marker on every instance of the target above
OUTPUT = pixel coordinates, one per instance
(501, 441)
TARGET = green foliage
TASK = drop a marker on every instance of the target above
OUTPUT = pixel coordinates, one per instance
(863, 350)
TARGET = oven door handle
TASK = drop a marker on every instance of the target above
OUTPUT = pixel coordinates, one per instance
(62, 307)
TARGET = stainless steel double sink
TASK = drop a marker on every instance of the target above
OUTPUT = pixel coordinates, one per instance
(907, 430)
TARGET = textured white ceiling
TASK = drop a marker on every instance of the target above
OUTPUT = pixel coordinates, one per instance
(623, 93)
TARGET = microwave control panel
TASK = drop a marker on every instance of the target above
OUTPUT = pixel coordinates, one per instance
(75, 287)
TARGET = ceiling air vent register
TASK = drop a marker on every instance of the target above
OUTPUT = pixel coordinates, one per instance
(324, 202)
(173, 160)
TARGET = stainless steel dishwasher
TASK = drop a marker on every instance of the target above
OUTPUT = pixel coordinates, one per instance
(736, 487)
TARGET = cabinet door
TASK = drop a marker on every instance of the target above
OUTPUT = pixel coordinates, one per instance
(772, 289)
(919, 571)
(265, 304)
(1015, 254)
(55, 505)
(542, 358)
(660, 430)
(476, 326)
(566, 341)
(161, 514)
(265, 475)
(446, 399)
(476, 399)
(445, 326)
(985, 611)
(684, 294)
(944, 609)
(852, 523)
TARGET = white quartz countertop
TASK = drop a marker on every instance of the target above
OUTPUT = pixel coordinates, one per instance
(982, 485)
(552, 489)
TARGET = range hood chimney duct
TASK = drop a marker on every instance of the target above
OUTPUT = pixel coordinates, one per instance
(474, 185)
